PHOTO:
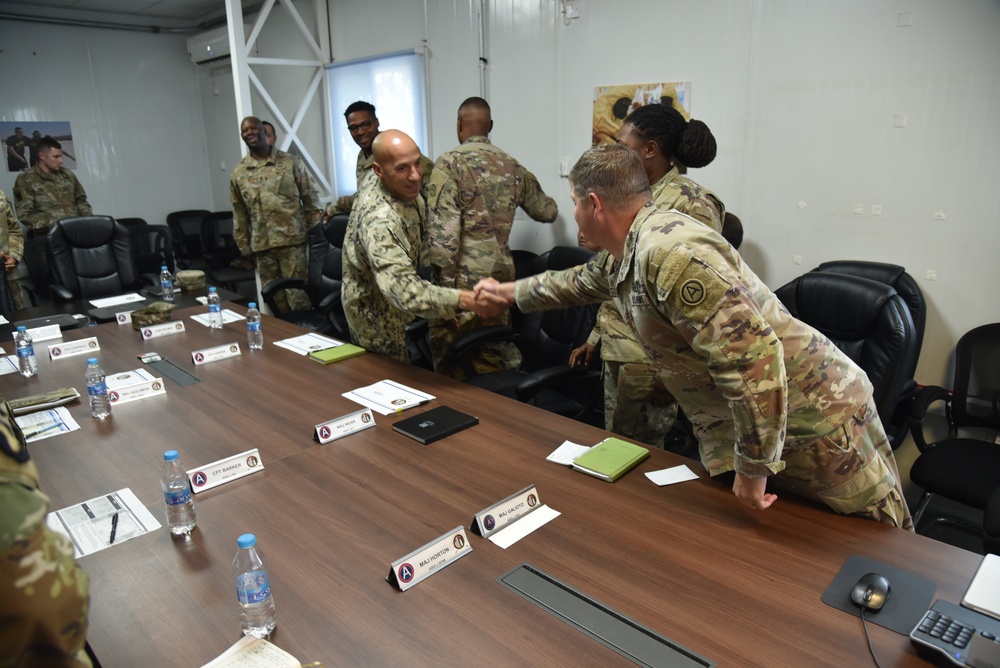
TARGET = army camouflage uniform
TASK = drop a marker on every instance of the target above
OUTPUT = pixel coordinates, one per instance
(744, 370)
(636, 405)
(364, 167)
(382, 292)
(43, 593)
(274, 203)
(43, 198)
(11, 243)
(474, 192)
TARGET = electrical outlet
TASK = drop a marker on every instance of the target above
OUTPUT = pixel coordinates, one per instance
(904, 20)
(572, 9)
(876, 209)
(859, 209)
(564, 167)
(939, 215)
(797, 259)
(899, 120)
(931, 275)
(802, 205)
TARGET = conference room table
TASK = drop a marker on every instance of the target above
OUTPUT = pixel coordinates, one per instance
(688, 561)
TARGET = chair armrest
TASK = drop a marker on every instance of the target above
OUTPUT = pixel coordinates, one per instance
(329, 301)
(922, 400)
(60, 293)
(539, 380)
(271, 290)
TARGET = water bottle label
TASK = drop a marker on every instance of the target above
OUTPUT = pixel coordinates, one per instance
(97, 388)
(168, 286)
(253, 326)
(252, 587)
(215, 308)
(178, 497)
(25, 351)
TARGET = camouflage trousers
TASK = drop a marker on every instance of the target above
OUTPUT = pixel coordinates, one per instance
(852, 470)
(636, 405)
(286, 262)
(486, 358)
(43, 593)
(14, 284)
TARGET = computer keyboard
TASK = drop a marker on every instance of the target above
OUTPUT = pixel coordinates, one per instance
(950, 635)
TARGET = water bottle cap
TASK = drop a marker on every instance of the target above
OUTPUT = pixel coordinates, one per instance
(212, 289)
(163, 268)
(21, 328)
(252, 305)
(92, 360)
(170, 455)
(246, 540)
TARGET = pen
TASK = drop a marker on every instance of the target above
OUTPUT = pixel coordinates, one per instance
(114, 528)
(42, 430)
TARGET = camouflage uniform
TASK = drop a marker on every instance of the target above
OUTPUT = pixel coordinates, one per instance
(274, 203)
(474, 192)
(636, 405)
(11, 243)
(43, 198)
(744, 370)
(365, 162)
(382, 291)
(43, 593)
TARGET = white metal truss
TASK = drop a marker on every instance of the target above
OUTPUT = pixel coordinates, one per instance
(244, 76)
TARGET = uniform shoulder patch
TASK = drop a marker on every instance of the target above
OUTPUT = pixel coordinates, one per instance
(438, 179)
(697, 289)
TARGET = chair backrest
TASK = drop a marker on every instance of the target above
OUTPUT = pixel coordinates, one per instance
(92, 256)
(976, 393)
(548, 337)
(870, 322)
(153, 248)
(35, 250)
(217, 231)
(185, 227)
(325, 244)
(522, 258)
(132, 223)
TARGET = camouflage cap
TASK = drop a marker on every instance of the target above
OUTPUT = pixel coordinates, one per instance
(190, 279)
(153, 314)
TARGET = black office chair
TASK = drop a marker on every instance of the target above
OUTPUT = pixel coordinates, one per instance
(522, 260)
(220, 249)
(132, 223)
(324, 245)
(871, 322)
(991, 524)
(960, 466)
(185, 230)
(91, 257)
(153, 246)
(38, 279)
(545, 340)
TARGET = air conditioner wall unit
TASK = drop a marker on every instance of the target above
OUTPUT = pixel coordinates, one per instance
(212, 45)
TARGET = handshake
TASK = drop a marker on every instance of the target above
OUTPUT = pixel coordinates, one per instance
(488, 299)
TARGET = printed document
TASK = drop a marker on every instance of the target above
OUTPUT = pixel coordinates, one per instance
(91, 524)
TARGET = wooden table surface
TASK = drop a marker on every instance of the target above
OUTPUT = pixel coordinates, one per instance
(738, 586)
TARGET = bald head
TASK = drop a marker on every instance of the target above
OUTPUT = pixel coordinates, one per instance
(397, 162)
(474, 119)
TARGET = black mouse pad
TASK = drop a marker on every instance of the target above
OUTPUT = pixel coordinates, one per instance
(909, 599)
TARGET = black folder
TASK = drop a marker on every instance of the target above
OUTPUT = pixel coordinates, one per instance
(436, 423)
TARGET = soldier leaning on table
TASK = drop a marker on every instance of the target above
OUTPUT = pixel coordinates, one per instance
(43, 593)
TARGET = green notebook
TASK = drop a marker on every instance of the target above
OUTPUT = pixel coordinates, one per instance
(337, 353)
(610, 459)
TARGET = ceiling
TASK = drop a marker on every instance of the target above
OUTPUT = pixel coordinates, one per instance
(149, 12)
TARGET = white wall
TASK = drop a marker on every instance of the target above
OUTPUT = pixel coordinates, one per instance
(133, 103)
(800, 95)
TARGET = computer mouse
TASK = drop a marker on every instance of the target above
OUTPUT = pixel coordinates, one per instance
(871, 592)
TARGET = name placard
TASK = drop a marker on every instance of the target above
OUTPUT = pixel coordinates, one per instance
(148, 388)
(39, 334)
(81, 347)
(225, 470)
(123, 317)
(162, 329)
(342, 426)
(216, 353)
(429, 559)
(490, 520)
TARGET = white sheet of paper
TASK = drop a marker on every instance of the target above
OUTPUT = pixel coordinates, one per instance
(567, 453)
(388, 397)
(673, 475)
(45, 424)
(250, 652)
(227, 317)
(88, 524)
(127, 378)
(114, 301)
(522, 527)
(8, 364)
(308, 343)
(3, 320)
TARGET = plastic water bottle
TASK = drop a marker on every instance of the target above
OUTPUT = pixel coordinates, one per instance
(214, 309)
(97, 389)
(177, 495)
(166, 284)
(26, 362)
(255, 335)
(253, 589)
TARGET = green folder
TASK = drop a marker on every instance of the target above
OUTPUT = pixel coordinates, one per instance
(610, 459)
(337, 353)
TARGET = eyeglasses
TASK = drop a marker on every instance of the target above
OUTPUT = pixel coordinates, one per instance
(363, 125)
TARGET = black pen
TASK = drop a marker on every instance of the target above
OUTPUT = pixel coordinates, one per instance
(114, 528)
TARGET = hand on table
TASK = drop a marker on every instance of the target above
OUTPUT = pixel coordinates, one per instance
(750, 492)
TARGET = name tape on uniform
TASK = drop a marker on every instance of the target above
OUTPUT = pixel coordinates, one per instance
(225, 470)
(216, 353)
(162, 329)
(81, 347)
(499, 515)
(342, 426)
(429, 559)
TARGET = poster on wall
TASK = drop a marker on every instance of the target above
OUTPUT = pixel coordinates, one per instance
(613, 103)
(21, 142)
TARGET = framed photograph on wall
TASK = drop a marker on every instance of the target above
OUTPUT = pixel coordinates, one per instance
(21, 142)
(613, 103)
